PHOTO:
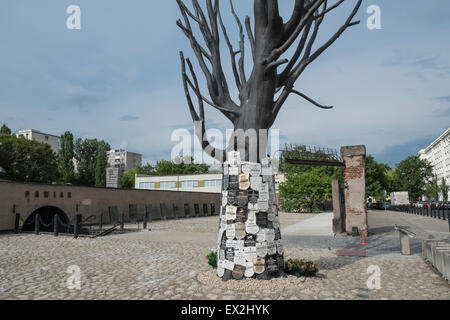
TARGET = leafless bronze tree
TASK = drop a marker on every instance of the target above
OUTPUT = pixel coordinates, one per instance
(265, 90)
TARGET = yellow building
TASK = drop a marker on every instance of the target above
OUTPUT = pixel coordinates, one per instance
(209, 182)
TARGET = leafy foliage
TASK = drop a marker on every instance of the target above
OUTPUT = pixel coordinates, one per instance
(412, 174)
(86, 152)
(65, 158)
(301, 268)
(444, 189)
(377, 178)
(101, 163)
(28, 160)
(212, 258)
(5, 129)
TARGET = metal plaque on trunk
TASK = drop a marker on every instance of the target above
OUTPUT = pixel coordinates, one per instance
(261, 249)
(238, 272)
(231, 212)
(255, 183)
(250, 241)
(249, 272)
(241, 198)
(268, 179)
(234, 171)
(265, 162)
(253, 196)
(220, 271)
(271, 248)
(229, 265)
(231, 197)
(226, 182)
(223, 242)
(250, 253)
(244, 181)
(270, 234)
(241, 215)
(263, 205)
(267, 171)
(240, 230)
(231, 231)
(252, 206)
(271, 264)
(255, 169)
(233, 182)
(259, 265)
(221, 254)
(280, 249)
(225, 168)
(261, 219)
(239, 258)
(280, 261)
(246, 167)
(229, 254)
(224, 198)
(234, 157)
(277, 234)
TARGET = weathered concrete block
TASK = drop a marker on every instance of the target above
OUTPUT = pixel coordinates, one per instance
(404, 244)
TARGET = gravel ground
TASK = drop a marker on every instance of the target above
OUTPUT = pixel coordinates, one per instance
(169, 262)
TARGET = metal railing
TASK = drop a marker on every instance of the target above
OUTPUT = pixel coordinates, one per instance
(442, 213)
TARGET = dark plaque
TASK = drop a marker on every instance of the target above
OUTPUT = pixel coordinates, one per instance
(271, 264)
(226, 182)
(229, 254)
(223, 242)
(233, 182)
(252, 196)
(280, 261)
(250, 240)
(261, 219)
(241, 198)
(231, 197)
(277, 234)
(241, 215)
(238, 272)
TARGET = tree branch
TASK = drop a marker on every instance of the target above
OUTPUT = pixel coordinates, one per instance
(241, 45)
(311, 100)
(251, 38)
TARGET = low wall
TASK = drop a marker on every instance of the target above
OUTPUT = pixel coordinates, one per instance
(25, 198)
(438, 254)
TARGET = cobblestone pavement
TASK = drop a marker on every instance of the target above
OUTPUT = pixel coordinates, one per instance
(169, 262)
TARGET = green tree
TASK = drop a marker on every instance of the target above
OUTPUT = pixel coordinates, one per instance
(127, 180)
(101, 163)
(412, 175)
(65, 158)
(305, 190)
(432, 189)
(444, 189)
(28, 160)
(5, 129)
(86, 152)
(376, 177)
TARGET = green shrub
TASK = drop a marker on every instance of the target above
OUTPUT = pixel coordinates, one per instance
(301, 268)
(212, 258)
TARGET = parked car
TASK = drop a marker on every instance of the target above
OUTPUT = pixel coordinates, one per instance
(419, 204)
(426, 205)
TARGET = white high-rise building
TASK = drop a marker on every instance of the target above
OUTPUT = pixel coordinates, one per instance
(32, 134)
(119, 158)
(438, 155)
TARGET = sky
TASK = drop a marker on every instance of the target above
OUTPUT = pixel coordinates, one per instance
(118, 77)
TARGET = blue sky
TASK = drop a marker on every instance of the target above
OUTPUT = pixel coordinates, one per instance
(118, 78)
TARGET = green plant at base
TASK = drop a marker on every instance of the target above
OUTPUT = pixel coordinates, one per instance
(212, 259)
(301, 267)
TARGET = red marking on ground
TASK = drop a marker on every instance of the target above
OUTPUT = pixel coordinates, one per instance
(351, 253)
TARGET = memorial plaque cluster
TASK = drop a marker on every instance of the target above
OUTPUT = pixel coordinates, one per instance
(249, 242)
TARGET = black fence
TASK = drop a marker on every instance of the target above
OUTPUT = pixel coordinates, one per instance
(437, 213)
(111, 220)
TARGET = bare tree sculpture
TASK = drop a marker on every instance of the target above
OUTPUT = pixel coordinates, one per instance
(272, 79)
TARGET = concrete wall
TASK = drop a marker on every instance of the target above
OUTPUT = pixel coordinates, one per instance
(22, 198)
(355, 188)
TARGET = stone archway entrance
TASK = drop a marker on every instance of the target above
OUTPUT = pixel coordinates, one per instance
(47, 215)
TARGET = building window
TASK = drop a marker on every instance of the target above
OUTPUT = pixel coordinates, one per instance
(27, 194)
(147, 185)
(213, 183)
(61, 195)
(167, 185)
(189, 184)
(36, 194)
(46, 194)
(69, 195)
(46, 138)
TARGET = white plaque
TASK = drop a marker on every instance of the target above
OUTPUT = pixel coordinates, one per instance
(250, 253)
(255, 169)
(229, 265)
(261, 249)
(234, 170)
(231, 231)
(271, 248)
(234, 158)
(255, 183)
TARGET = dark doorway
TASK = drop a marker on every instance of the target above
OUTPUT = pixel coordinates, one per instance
(46, 215)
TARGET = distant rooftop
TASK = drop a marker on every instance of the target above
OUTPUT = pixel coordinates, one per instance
(35, 131)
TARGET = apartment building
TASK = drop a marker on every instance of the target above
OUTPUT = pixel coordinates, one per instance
(36, 135)
(438, 155)
(119, 158)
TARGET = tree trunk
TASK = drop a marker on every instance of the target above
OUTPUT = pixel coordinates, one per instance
(249, 242)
